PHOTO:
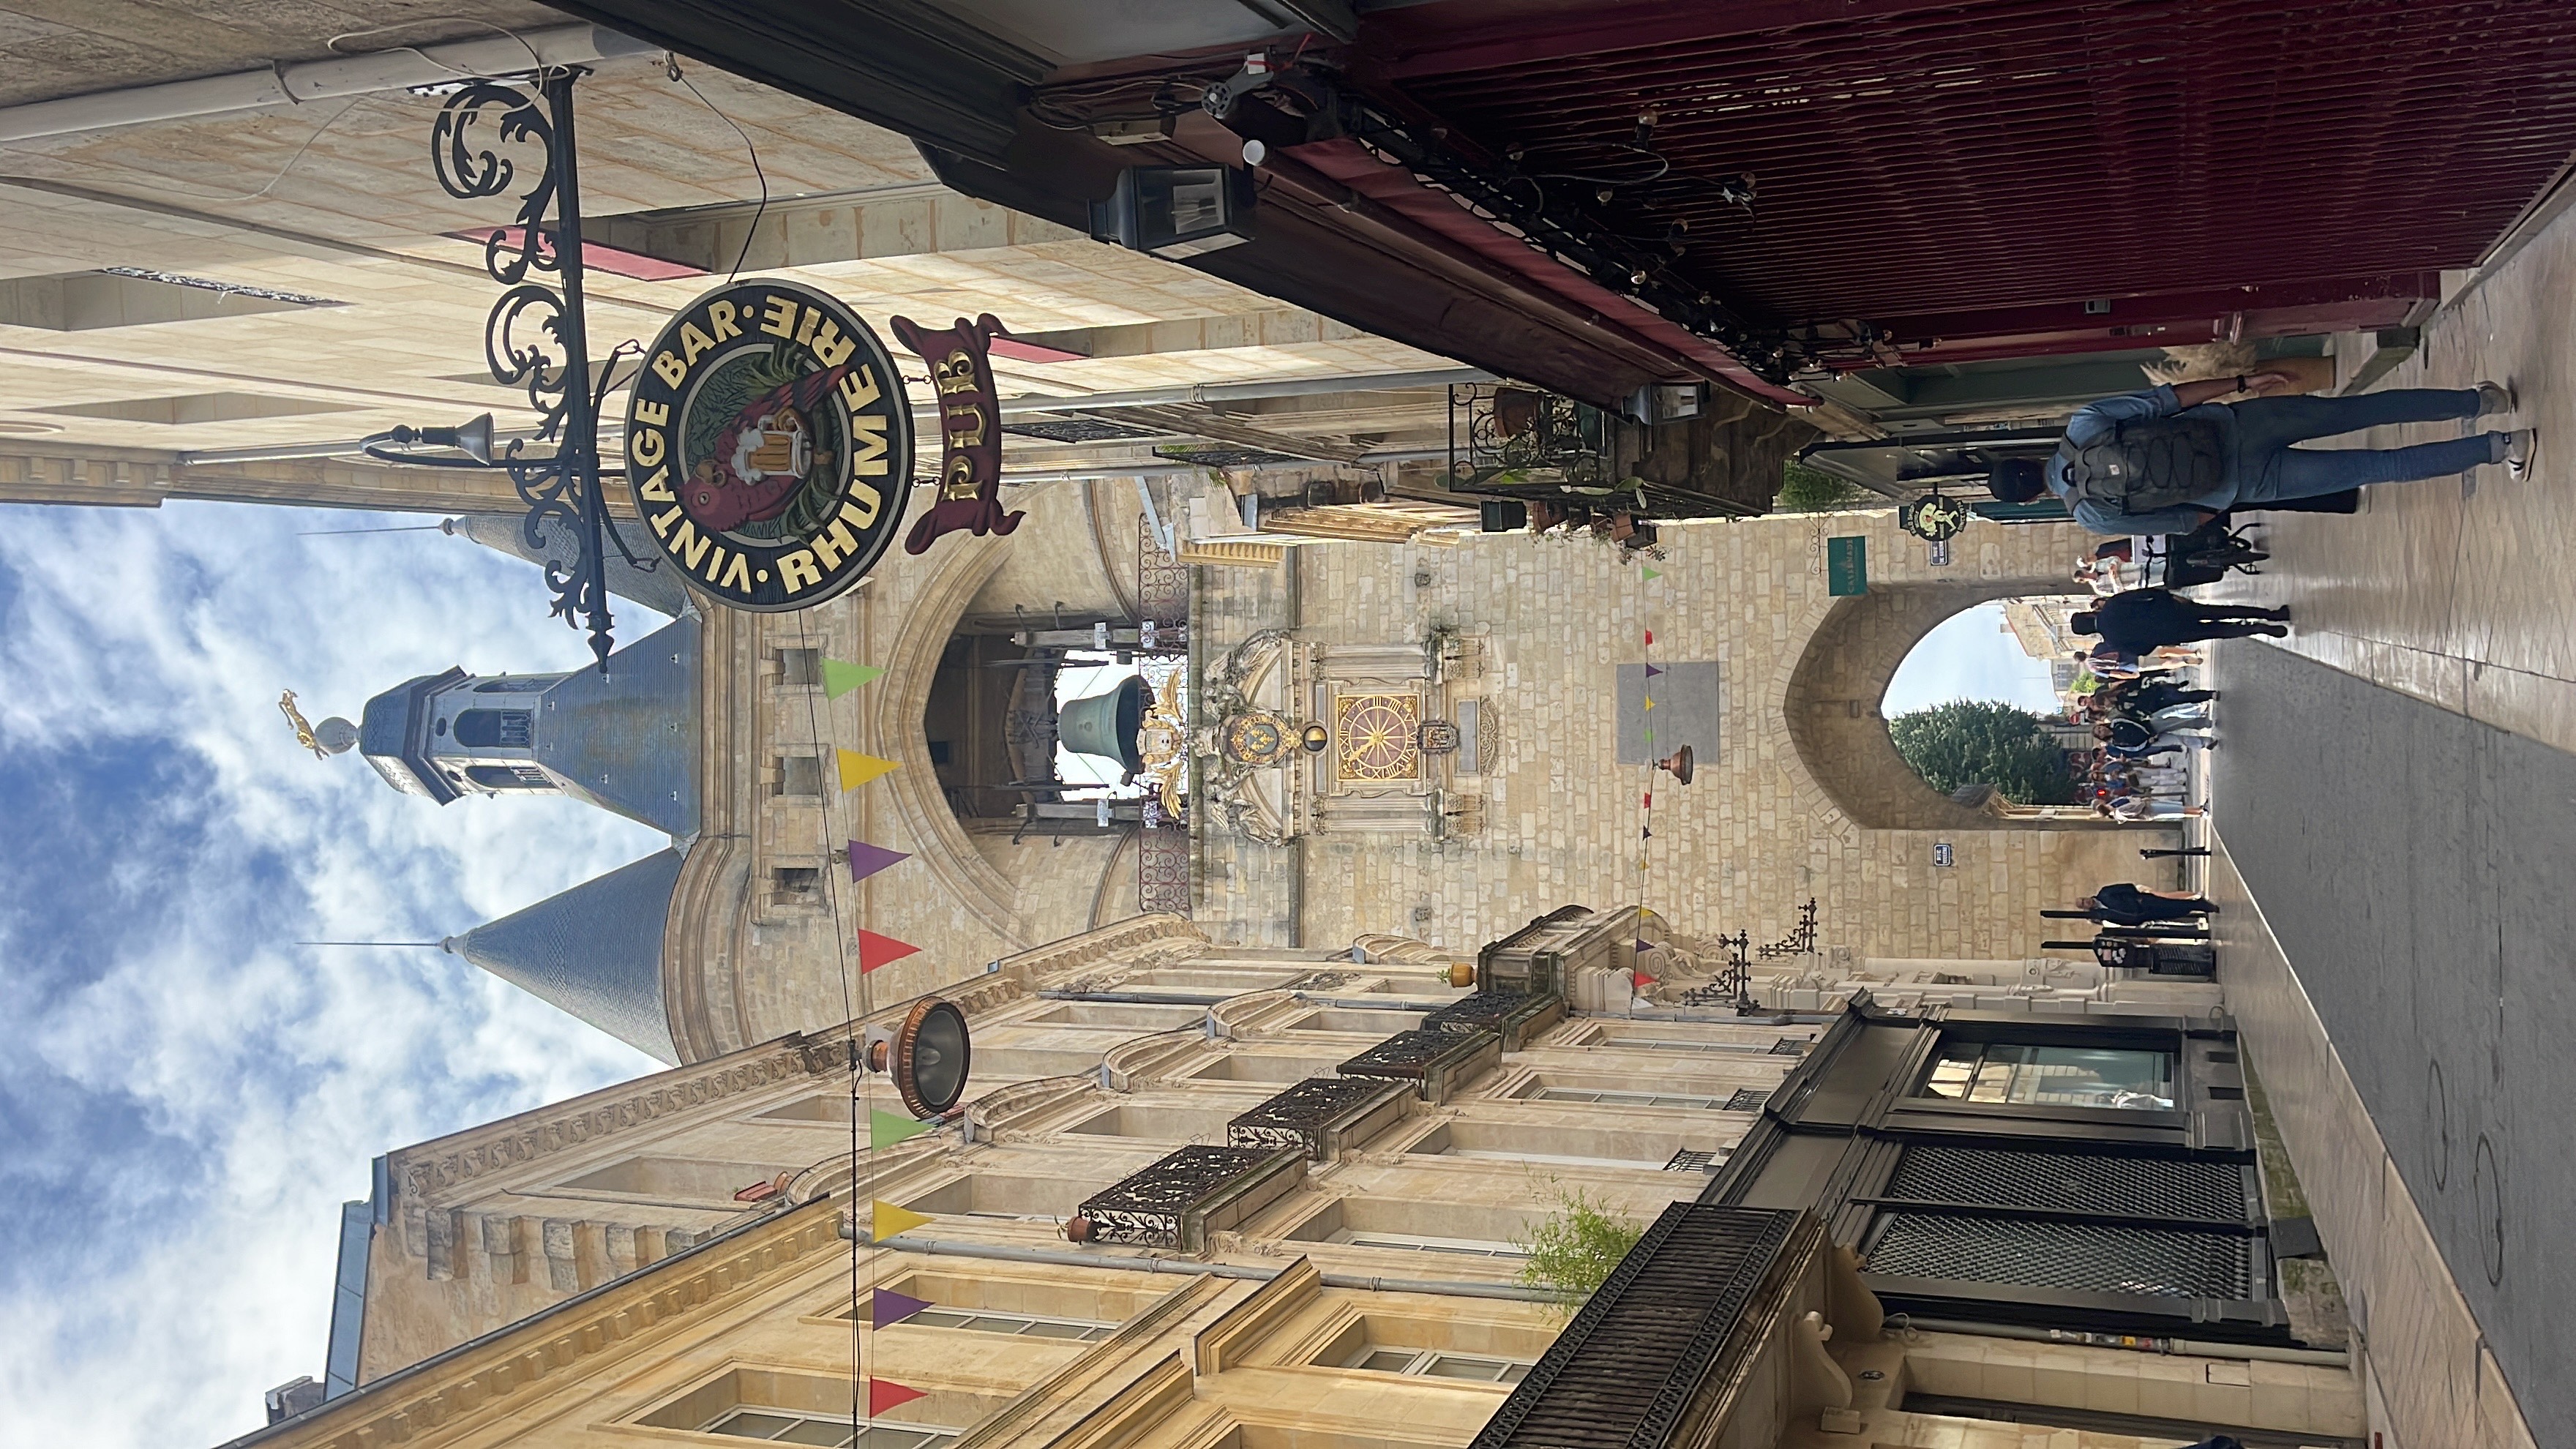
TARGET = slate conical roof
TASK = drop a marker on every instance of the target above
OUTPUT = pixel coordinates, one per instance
(594, 950)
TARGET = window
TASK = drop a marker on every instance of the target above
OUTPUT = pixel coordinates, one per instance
(2009, 1072)
(1022, 1324)
(487, 729)
(514, 684)
(1625, 1099)
(784, 1428)
(1785, 1046)
(1420, 1243)
(800, 775)
(1432, 1363)
(509, 777)
(800, 667)
(796, 885)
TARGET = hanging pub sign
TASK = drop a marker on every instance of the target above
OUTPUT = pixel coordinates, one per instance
(769, 445)
(970, 425)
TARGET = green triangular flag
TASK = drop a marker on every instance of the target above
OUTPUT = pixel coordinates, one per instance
(840, 678)
(1650, 737)
(885, 1129)
(1651, 576)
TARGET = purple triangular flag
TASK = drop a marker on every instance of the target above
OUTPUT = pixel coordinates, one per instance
(1652, 671)
(1649, 834)
(866, 860)
(892, 1307)
(1644, 945)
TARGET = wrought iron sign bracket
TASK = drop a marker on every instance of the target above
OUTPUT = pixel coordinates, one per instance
(536, 336)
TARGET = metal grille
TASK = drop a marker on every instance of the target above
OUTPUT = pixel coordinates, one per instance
(1081, 430)
(2079, 1257)
(1788, 1046)
(1921, 158)
(2074, 1182)
(1484, 1011)
(1407, 1054)
(1671, 1317)
(1226, 457)
(1298, 1116)
(1162, 581)
(1690, 1160)
(1146, 1208)
(1747, 1099)
(1163, 858)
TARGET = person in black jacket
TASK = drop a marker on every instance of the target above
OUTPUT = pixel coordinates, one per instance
(2143, 619)
(2125, 904)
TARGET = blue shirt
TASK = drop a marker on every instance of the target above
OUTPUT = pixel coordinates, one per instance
(2094, 422)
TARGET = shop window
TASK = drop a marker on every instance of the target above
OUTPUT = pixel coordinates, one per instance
(1435, 1364)
(2055, 1076)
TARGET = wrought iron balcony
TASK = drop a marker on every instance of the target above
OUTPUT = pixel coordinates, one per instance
(1179, 1200)
(1515, 1016)
(1438, 1063)
(1321, 1116)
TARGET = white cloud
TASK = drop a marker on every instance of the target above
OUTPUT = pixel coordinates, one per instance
(192, 1095)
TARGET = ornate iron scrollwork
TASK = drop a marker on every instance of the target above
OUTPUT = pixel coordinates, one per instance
(535, 337)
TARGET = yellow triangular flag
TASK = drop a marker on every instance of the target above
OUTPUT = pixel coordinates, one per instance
(1650, 704)
(890, 1220)
(858, 769)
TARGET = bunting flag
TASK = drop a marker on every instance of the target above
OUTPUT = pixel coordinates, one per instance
(858, 769)
(1642, 980)
(1644, 945)
(888, 1220)
(1650, 638)
(1652, 671)
(1650, 701)
(891, 1307)
(884, 1394)
(1646, 832)
(876, 951)
(866, 860)
(1650, 734)
(1650, 800)
(885, 1129)
(1652, 575)
(840, 678)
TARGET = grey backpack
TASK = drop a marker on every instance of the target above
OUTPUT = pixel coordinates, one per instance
(2147, 464)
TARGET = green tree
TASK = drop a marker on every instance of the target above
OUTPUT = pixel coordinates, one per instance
(1979, 741)
(1572, 1250)
(1813, 490)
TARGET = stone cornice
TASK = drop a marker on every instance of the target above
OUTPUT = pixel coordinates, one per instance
(483, 1377)
(434, 1168)
(1074, 952)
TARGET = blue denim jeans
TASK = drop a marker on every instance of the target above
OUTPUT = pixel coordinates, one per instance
(2269, 469)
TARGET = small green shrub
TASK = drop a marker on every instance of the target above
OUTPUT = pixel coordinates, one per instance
(1572, 1250)
(1813, 490)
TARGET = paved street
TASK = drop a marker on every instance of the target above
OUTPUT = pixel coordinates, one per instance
(2413, 864)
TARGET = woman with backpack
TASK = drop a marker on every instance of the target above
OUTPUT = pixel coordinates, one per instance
(2171, 458)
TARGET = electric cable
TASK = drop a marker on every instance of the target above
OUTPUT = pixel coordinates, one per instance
(672, 69)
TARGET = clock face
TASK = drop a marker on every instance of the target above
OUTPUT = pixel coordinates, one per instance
(1378, 737)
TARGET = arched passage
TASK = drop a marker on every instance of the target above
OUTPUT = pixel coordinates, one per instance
(1832, 707)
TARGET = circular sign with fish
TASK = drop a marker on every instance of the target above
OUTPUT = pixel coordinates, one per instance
(769, 444)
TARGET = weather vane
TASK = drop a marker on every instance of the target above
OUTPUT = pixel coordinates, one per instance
(333, 736)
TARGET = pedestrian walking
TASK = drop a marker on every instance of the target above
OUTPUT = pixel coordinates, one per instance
(2142, 619)
(2125, 904)
(2171, 458)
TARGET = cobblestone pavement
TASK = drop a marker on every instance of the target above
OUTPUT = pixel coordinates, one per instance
(2412, 863)
(2459, 592)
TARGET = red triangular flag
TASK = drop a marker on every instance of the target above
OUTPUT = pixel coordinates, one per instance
(883, 1395)
(876, 951)
(891, 1307)
(1650, 799)
(1650, 636)
(1651, 670)
(1643, 980)
(866, 860)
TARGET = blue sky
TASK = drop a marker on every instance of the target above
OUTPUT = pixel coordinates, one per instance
(1969, 656)
(189, 1095)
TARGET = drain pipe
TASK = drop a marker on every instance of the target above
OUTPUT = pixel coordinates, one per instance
(1066, 1258)
(317, 80)
(2139, 1343)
